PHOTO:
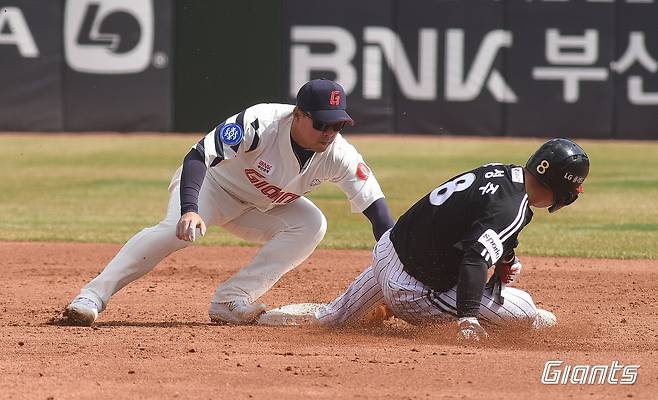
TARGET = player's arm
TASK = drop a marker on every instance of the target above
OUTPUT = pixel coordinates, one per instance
(206, 153)
(224, 142)
(192, 176)
(359, 184)
(482, 250)
(483, 247)
(470, 288)
(473, 280)
(470, 285)
(380, 217)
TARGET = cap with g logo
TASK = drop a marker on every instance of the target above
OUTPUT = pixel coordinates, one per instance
(325, 100)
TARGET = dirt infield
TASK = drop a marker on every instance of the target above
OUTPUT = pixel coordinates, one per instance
(155, 340)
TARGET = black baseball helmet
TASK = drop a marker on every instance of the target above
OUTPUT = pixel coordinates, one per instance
(562, 166)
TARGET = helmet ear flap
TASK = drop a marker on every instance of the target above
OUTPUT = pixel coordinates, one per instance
(564, 201)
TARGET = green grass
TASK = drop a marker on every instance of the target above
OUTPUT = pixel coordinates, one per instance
(105, 188)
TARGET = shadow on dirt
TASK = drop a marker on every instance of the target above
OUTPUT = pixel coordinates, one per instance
(61, 321)
(520, 337)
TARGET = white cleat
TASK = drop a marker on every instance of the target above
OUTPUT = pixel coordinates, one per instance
(81, 311)
(544, 319)
(239, 312)
(290, 315)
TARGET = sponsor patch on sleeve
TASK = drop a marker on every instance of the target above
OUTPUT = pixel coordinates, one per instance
(362, 171)
(492, 244)
(517, 175)
(231, 134)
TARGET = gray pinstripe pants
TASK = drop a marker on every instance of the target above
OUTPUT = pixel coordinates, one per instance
(386, 282)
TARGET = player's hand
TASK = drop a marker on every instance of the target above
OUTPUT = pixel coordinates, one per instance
(471, 330)
(509, 271)
(187, 226)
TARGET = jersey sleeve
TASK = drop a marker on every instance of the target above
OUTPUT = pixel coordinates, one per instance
(237, 134)
(495, 232)
(353, 176)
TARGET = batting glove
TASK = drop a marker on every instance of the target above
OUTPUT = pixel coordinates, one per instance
(471, 330)
(509, 271)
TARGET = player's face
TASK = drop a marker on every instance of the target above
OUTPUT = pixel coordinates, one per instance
(544, 198)
(321, 127)
(314, 135)
(545, 201)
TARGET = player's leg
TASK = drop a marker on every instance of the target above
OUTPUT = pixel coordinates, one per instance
(291, 232)
(405, 296)
(369, 295)
(515, 307)
(412, 301)
(359, 302)
(139, 255)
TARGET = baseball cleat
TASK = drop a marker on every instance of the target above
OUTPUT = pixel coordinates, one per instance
(82, 311)
(544, 319)
(239, 312)
(290, 315)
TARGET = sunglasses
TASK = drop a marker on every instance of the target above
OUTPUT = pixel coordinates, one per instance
(319, 126)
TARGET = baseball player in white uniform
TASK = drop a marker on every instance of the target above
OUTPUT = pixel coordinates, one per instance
(250, 176)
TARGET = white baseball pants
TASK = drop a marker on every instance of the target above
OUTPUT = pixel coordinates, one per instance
(290, 232)
(386, 282)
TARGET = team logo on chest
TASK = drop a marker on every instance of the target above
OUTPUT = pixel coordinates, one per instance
(231, 134)
(275, 193)
(265, 167)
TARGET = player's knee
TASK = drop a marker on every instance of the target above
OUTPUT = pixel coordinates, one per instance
(316, 227)
(519, 306)
(308, 224)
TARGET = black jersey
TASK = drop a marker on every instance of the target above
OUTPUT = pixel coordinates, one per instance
(481, 210)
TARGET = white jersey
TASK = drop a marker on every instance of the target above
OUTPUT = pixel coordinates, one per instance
(250, 155)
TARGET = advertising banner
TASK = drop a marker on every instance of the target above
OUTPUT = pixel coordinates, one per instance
(559, 69)
(635, 68)
(336, 44)
(576, 68)
(118, 65)
(31, 66)
(456, 81)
